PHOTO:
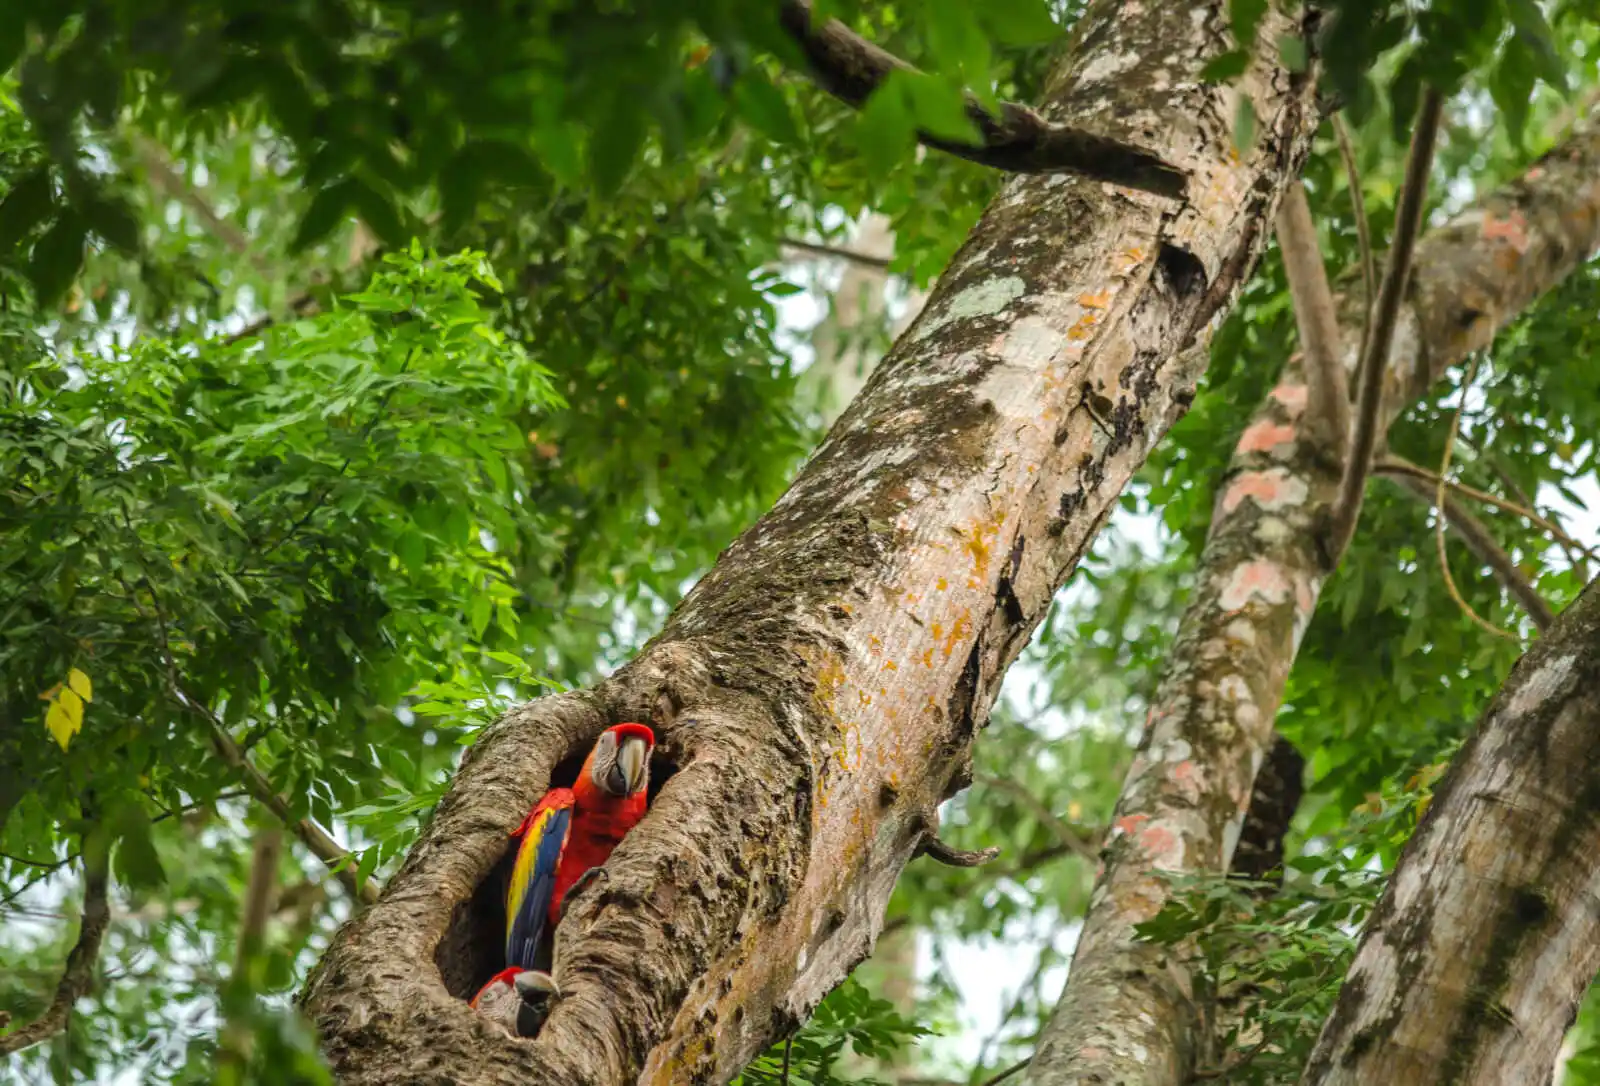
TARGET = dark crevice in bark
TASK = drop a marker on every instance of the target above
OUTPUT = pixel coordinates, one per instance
(1275, 798)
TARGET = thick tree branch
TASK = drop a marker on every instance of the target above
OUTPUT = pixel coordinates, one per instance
(1375, 355)
(1019, 140)
(1475, 959)
(1476, 535)
(78, 975)
(1328, 386)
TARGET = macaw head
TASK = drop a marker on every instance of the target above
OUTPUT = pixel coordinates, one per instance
(620, 762)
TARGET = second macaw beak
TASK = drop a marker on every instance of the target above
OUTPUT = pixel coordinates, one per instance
(633, 759)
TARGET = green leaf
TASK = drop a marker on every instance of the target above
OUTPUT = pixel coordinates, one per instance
(113, 219)
(765, 107)
(938, 107)
(1292, 51)
(614, 145)
(885, 129)
(1225, 68)
(1511, 86)
(1019, 22)
(479, 611)
(1535, 39)
(25, 206)
(1244, 125)
(328, 208)
(1245, 16)
(378, 212)
(57, 258)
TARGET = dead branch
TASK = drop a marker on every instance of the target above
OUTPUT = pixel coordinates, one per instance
(935, 848)
(1019, 140)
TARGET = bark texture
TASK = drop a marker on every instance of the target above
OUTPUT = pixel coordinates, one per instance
(819, 691)
(1475, 959)
(1127, 1015)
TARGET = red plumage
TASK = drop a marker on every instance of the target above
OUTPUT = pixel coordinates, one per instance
(568, 833)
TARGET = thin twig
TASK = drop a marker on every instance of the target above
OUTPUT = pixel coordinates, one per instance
(1358, 208)
(1327, 385)
(1476, 535)
(1375, 358)
(1439, 504)
(1008, 1072)
(1394, 465)
(788, 1043)
(1018, 140)
(315, 838)
(1054, 823)
(166, 177)
(1233, 1065)
(78, 974)
(866, 260)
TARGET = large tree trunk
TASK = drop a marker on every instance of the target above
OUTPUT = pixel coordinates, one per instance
(820, 689)
(1473, 964)
(1127, 1015)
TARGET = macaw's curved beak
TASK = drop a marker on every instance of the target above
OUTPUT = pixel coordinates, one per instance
(633, 759)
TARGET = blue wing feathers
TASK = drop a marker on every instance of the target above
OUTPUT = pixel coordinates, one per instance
(538, 879)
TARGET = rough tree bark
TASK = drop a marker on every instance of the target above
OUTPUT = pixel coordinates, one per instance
(820, 689)
(1474, 962)
(1127, 1015)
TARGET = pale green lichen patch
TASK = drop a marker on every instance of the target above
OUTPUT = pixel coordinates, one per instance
(984, 299)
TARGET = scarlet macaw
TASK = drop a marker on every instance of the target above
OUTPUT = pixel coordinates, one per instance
(516, 999)
(568, 835)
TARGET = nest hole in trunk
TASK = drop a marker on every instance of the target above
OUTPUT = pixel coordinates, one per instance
(473, 947)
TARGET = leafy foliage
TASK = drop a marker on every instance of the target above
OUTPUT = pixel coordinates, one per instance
(849, 1018)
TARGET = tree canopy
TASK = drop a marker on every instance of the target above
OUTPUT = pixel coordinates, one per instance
(369, 367)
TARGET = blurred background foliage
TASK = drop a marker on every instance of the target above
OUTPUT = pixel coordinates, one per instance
(367, 366)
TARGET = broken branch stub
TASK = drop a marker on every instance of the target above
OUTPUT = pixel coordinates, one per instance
(830, 673)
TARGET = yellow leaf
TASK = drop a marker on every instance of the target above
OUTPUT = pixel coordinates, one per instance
(80, 684)
(55, 718)
(72, 705)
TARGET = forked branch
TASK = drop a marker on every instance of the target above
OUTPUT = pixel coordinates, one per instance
(1017, 140)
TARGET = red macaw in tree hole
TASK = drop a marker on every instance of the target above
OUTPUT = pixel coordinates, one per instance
(566, 838)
